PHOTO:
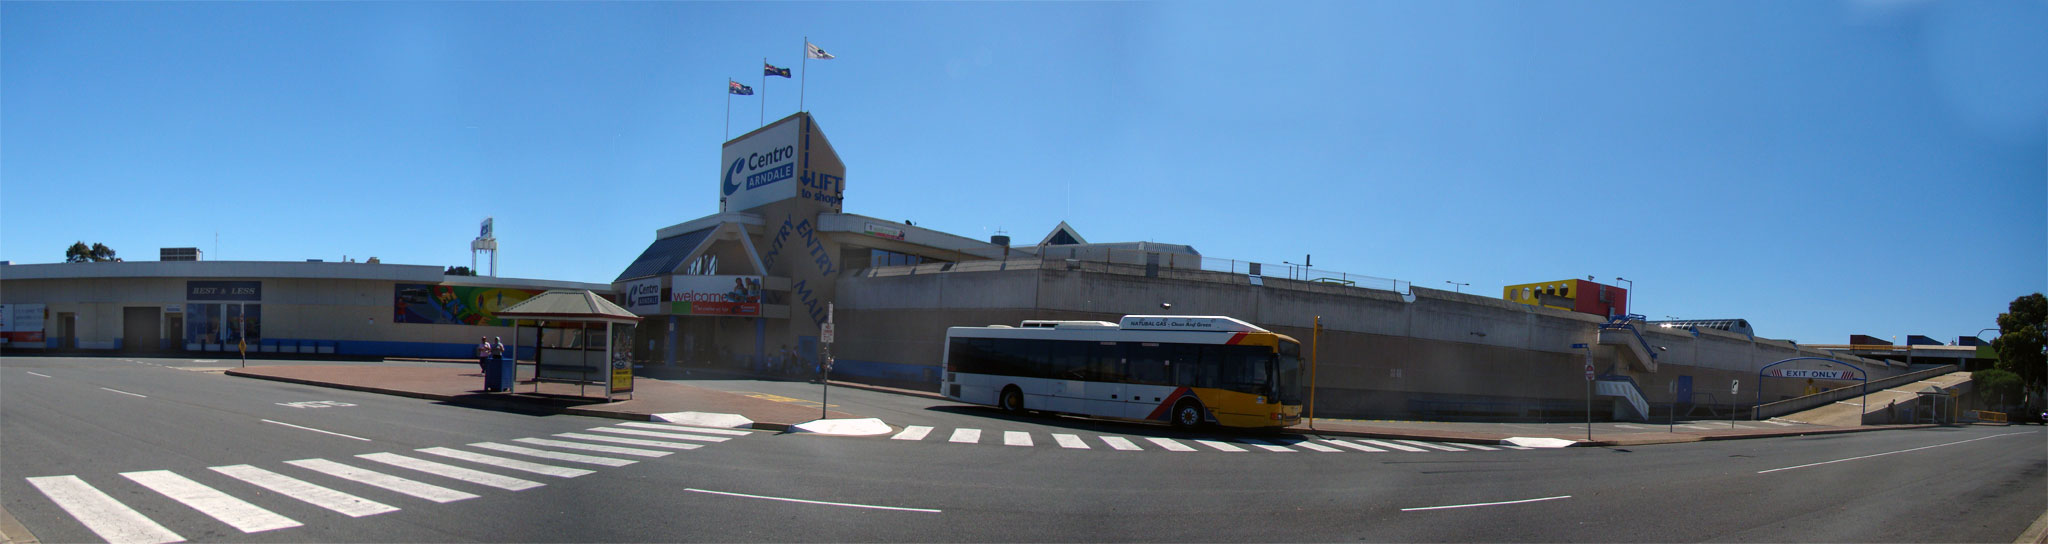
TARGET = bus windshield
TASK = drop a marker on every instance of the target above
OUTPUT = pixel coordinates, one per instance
(1288, 383)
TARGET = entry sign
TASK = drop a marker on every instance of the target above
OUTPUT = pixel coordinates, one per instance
(1589, 372)
(825, 334)
(1734, 386)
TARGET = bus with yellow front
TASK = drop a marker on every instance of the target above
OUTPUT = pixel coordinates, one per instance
(1189, 371)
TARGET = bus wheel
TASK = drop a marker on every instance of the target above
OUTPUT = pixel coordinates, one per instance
(1187, 415)
(1012, 400)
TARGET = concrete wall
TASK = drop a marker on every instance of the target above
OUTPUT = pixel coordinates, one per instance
(1382, 354)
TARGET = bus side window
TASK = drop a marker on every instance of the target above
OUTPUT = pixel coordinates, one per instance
(1147, 364)
(1210, 368)
(1184, 362)
(1106, 362)
(1067, 360)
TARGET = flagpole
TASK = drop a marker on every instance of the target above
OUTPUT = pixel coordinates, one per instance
(764, 91)
(805, 76)
(728, 109)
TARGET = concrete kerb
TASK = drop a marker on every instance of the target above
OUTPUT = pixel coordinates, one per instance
(483, 402)
(1622, 442)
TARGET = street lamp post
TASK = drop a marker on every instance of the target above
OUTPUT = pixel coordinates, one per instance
(1456, 286)
(1629, 302)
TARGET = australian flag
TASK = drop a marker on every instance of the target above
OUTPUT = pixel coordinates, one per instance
(737, 88)
(771, 70)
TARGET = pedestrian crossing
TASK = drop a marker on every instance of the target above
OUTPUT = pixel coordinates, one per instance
(1269, 444)
(241, 496)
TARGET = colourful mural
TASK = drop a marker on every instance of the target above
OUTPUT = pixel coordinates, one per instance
(455, 305)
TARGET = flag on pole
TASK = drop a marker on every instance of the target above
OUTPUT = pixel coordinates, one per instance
(771, 70)
(737, 88)
(812, 51)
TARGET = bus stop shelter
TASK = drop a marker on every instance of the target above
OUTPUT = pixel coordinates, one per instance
(578, 338)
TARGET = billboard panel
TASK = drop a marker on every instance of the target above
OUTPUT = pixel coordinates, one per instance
(760, 168)
(455, 305)
(21, 323)
(715, 295)
(643, 296)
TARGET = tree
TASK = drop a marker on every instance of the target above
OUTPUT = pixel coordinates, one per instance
(1998, 386)
(101, 253)
(2020, 342)
(458, 271)
(78, 253)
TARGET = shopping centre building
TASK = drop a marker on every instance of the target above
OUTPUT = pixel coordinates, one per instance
(752, 288)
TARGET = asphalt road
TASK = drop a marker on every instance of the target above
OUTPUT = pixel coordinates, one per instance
(82, 418)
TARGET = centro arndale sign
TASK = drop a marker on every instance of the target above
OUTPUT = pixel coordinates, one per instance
(761, 169)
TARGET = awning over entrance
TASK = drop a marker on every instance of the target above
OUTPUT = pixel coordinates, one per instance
(662, 256)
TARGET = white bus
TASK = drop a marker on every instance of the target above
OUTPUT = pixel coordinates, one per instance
(1186, 370)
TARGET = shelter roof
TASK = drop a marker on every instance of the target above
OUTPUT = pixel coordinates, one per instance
(569, 305)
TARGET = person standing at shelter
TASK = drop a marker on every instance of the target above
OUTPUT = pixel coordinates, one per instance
(483, 353)
(498, 358)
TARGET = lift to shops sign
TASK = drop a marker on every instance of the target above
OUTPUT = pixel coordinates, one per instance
(1815, 374)
(715, 295)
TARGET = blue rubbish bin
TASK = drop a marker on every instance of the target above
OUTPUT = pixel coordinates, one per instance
(491, 371)
(506, 372)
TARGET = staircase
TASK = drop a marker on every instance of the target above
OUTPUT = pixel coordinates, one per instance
(1625, 390)
(1621, 331)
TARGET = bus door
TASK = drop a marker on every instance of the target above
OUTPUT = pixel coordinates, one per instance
(1149, 378)
(1105, 385)
(1069, 377)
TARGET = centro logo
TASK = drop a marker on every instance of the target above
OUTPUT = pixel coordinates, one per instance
(731, 186)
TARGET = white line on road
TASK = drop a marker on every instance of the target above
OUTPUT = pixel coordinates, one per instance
(1120, 443)
(35, 374)
(1626, 427)
(1169, 444)
(1428, 445)
(913, 432)
(1391, 445)
(1484, 504)
(659, 434)
(1016, 438)
(1474, 446)
(592, 447)
(1268, 446)
(316, 430)
(1312, 446)
(514, 464)
(393, 483)
(237, 513)
(1070, 441)
(1220, 446)
(113, 521)
(687, 428)
(316, 495)
(805, 501)
(125, 392)
(1888, 453)
(558, 456)
(1355, 446)
(631, 441)
(966, 436)
(479, 477)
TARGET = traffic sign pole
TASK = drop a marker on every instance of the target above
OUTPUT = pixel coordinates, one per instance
(1589, 389)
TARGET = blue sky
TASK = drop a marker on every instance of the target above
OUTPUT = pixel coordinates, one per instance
(1821, 169)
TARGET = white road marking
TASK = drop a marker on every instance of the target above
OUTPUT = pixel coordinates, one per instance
(1516, 447)
(1169, 444)
(514, 464)
(1355, 446)
(35, 374)
(631, 441)
(1779, 423)
(1484, 504)
(378, 479)
(316, 430)
(1264, 445)
(1220, 446)
(344, 503)
(1120, 443)
(1313, 446)
(1070, 441)
(1475, 446)
(479, 477)
(913, 432)
(687, 428)
(1430, 445)
(659, 434)
(104, 516)
(966, 436)
(1889, 453)
(124, 392)
(1694, 427)
(558, 456)
(1391, 445)
(206, 360)
(592, 447)
(237, 513)
(1618, 426)
(805, 501)
(1016, 438)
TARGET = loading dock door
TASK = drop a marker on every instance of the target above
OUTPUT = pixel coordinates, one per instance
(140, 327)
